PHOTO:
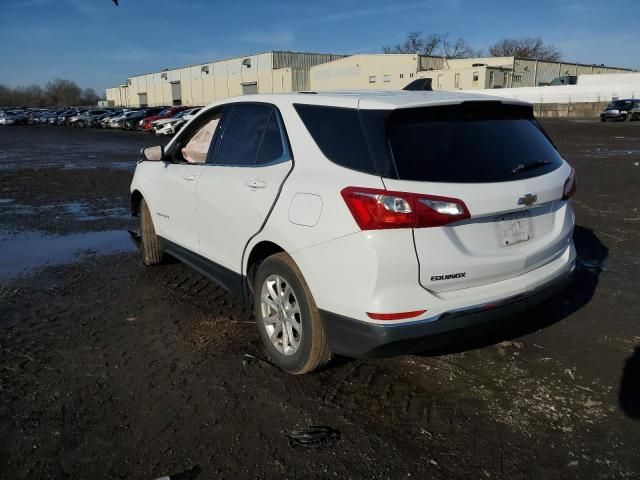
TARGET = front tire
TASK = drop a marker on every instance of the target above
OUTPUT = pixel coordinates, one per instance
(287, 317)
(149, 243)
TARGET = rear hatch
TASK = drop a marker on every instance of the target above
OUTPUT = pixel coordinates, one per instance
(496, 163)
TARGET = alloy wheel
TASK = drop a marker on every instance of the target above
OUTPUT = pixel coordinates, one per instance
(281, 314)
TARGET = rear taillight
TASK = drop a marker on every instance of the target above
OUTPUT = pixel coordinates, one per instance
(376, 209)
(570, 186)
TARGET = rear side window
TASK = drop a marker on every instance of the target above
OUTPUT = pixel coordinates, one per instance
(271, 148)
(338, 134)
(474, 142)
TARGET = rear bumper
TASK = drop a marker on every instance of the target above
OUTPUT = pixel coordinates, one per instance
(355, 338)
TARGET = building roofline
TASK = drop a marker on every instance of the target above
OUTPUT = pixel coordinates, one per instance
(232, 58)
(563, 62)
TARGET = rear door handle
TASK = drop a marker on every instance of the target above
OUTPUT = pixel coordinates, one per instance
(255, 184)
(189, 178)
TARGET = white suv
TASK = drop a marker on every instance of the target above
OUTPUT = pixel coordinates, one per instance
(363, 223)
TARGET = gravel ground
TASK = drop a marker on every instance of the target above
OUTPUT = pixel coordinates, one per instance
(112, 370)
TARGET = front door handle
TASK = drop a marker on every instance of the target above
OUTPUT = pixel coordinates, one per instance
(255, 184)
(189, 178)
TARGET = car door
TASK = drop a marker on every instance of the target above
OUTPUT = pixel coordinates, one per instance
(176, 181)
(237, 189)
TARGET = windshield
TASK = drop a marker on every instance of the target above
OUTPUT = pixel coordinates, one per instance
(621, 104)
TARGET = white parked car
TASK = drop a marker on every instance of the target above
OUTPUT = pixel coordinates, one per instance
(363, 224)
(169, 126)
(119, 121)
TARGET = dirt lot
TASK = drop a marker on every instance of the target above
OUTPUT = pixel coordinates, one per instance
(111, 370)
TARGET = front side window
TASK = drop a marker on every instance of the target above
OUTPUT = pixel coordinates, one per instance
(197, 147)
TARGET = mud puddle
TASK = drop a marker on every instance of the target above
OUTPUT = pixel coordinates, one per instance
(82, 211)
(22, 253)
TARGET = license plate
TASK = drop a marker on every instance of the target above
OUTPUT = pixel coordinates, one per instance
(515, 228)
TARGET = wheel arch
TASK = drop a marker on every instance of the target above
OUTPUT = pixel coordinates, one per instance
(258, 254)
(136, 200)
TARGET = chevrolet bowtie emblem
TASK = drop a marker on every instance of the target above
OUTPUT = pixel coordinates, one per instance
(528, 200)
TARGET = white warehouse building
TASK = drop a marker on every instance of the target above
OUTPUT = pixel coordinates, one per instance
(280, 71)
(201, 84)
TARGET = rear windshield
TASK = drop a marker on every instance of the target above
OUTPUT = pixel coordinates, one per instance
(474, 142)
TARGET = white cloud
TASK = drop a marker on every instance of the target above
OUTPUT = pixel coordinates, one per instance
(280, 38)
(24, 4)
(440, 8)
(88, 8)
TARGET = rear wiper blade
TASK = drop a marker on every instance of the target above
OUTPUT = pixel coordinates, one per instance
(529, 166)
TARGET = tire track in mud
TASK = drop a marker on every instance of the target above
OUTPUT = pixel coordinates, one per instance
(353, 387)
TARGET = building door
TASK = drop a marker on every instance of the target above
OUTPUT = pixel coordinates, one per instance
(249, 88)
(176, 93)
(142, 100)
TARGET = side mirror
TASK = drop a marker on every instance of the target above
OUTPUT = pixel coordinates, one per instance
(153, 154)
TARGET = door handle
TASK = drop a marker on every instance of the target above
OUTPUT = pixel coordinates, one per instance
(255, 184)
(189, 178)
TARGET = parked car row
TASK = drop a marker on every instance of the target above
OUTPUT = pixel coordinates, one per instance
(159, 120)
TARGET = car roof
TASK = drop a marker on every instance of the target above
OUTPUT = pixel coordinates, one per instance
(379, 100)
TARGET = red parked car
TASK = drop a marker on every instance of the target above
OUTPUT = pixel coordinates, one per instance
(147, 122)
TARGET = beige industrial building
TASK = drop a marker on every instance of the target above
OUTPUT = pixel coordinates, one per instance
(507, 72)
(280, 71)
(368, 72)
(201, 84)
(394, 71)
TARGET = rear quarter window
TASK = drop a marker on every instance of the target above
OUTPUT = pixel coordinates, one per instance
(339, 135)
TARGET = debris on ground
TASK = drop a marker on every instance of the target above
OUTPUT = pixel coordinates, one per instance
(313, 437)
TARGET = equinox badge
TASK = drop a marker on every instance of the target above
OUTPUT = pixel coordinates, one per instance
(528, 200)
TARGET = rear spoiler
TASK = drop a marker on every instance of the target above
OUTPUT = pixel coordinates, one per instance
(420, 84)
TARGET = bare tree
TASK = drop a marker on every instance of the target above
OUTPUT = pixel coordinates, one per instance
(416, 43)
(89, 97)
(57, 93)
(458, 48)
(533, 48)
(63, 92)
(437, 44)
(6, 95)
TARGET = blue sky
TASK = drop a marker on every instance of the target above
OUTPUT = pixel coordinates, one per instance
(98, 44)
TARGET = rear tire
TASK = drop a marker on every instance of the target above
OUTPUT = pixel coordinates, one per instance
(287, 317)
(149, 243)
